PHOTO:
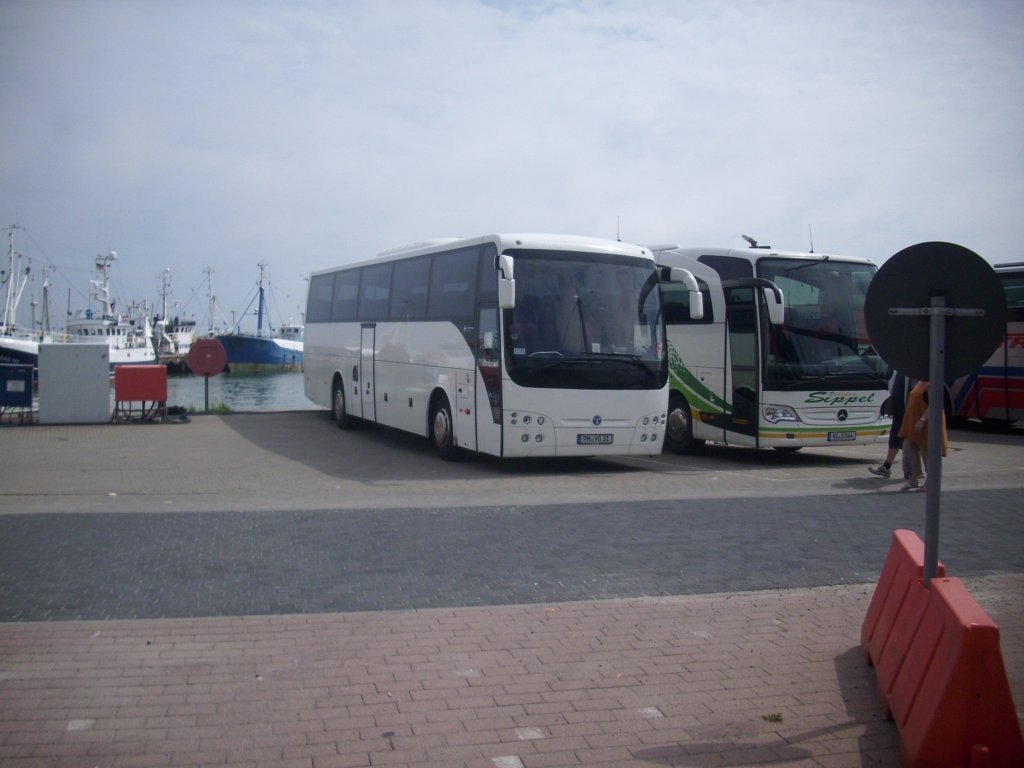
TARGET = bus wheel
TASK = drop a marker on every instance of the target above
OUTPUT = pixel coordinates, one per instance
(442, 430)
(679, 429)
(338, 412)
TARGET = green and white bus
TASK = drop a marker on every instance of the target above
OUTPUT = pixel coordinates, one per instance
(780, 357)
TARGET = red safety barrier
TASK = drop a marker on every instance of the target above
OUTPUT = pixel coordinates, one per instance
(903, 571)
(951, 698)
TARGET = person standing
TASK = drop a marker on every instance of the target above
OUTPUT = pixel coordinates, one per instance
(914, 431)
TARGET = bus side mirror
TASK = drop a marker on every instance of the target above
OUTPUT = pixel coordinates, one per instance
(506, 293)
(776, 306)
(506, 282)
(685, 276)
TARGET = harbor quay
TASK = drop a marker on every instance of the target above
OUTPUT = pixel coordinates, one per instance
(263, 589)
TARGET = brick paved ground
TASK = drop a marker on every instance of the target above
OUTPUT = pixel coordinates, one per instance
(721, 680)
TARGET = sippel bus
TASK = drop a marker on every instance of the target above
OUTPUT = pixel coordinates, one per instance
(780, 356)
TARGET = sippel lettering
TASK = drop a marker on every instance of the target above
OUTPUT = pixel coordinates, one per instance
(838, 398)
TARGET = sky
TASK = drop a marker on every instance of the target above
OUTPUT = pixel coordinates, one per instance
(200, 135)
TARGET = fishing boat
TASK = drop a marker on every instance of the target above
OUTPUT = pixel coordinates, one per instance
(265, 350)
(129, 335)
(18, 345)
(174, 335)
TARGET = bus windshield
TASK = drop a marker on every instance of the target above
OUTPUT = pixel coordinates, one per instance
(585, 321)
(824, 338)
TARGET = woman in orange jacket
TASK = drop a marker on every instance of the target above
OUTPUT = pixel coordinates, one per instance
(914, 432)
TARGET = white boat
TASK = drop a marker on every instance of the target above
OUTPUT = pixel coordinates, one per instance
(174, 335)
(129, 335)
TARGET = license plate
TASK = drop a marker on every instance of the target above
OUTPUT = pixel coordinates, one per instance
(594, 439)
(838, 436)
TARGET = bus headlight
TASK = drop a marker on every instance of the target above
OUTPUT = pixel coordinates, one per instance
(773, 414)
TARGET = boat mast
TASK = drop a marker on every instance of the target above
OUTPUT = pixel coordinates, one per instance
(46, 305)
(103, 262)
(259, 310)
(165, 287)
(11, 278)
(209, 293)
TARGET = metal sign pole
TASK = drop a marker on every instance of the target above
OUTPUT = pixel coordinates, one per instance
(936, 405)
(937, 313)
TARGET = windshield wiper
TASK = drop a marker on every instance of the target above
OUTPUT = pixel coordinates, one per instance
(822, 260)
(842, 375)
(622, 357)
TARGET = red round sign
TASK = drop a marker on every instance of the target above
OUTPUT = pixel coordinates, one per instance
(207, 357)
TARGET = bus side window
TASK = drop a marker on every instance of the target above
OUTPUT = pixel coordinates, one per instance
(453, 285)
(374, 292)
(321, 289)
(487, 285)
(1013, 284)
(346, 296)
(409, 290)
(676, 304)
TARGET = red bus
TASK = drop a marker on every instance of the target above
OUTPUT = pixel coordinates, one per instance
(995, 392)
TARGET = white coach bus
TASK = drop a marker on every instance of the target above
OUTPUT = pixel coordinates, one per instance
(509, 345)
(780, 357)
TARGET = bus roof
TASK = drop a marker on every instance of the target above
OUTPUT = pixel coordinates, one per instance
(503, 242)
(756, 254)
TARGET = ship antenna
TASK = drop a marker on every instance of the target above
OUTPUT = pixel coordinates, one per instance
(810, 234)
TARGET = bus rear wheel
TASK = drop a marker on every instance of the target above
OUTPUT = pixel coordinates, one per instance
(338, 410)
(679, 429)
(442, 430)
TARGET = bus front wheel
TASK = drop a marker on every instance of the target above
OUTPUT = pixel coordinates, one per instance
(679, 429)
(442, 430)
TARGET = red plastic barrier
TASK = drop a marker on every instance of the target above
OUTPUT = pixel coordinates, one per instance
(951, 699)
(140, 383)
(894, 605)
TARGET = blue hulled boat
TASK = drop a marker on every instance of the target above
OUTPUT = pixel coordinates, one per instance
(264, 350)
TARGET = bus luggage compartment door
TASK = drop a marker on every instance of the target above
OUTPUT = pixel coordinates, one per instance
(367, 407)
(465, 416)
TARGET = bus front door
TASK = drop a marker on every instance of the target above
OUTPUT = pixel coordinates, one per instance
(741, 322)
(367, 407)
(488, 389)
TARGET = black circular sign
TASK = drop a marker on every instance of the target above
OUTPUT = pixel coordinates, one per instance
(909, 280)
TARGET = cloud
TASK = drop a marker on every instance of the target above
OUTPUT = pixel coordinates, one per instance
(306, 134)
